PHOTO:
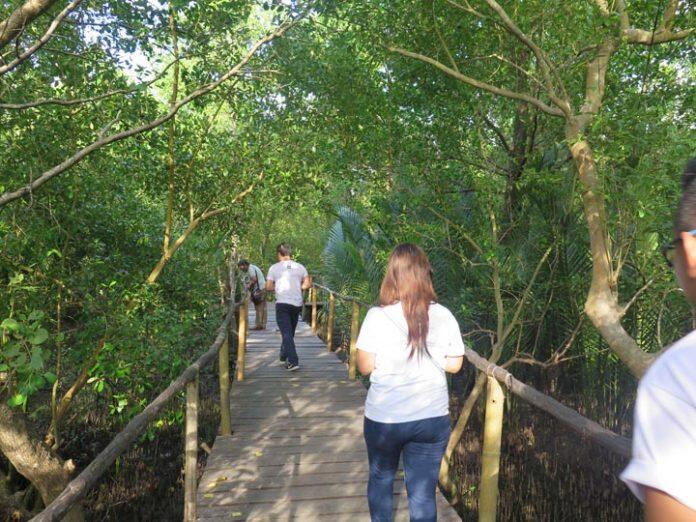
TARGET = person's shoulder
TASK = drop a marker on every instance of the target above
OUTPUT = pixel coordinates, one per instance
(372, 311)
(441, 312)
(674, 369)
(378, 313)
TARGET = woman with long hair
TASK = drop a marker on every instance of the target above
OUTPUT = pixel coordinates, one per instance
(406, 344)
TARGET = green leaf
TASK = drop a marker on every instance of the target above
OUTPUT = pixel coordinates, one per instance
(36, 362)
(15, 280)
(36, 315)
(39, 337)
(4, 368)
(37, 382)
(10, 324)
(50, 377)
(17, 400)
(11, 350)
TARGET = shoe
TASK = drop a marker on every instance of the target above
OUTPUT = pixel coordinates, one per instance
(292, 367)
(282, 362)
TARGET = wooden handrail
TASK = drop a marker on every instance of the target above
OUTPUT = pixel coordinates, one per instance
(80, 485)
(341, 296)
(588, 428)
(354, 323)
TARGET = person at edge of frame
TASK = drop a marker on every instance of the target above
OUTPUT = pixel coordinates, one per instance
(662, 470)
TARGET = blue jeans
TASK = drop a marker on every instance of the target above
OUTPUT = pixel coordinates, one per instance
(287, 316)
(422, 444)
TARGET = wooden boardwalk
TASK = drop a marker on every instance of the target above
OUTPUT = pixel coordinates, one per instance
(297, 450)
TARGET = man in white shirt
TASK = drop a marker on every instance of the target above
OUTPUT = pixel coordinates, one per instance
(662, 471)
(255, 284)
(288, 278)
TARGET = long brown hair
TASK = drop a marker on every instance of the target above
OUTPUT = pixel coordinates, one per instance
(408, 279)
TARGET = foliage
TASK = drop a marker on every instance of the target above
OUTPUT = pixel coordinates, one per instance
(353, 149)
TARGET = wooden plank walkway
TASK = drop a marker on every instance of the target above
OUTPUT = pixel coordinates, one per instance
(297, 451)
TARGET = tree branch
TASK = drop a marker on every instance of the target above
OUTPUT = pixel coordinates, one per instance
(635, 297)
(668, 16)
(500, 91)
(664, 32)
(80, 101)
(43, 40)
(98, 144)
(643, 37)
(498, 133)
(523, 299)
(20, 18)
(442, 41)
(542, 59)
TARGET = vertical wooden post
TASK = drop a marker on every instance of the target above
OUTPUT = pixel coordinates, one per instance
(224, 368)
(354, 326)
(330, 322)
(242, 332)
(191, 450)
(315, 327)
(490, 457)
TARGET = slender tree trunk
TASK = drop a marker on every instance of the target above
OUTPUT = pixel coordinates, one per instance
(61, 408)
(43, 468)
(602, 302)
(167, 255)
(171, 162)
(446, 481)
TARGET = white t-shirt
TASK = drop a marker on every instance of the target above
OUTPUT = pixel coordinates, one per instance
(288, 276)
(664, 430)
(403, 389)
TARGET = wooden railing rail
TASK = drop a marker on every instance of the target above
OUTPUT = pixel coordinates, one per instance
(587, 428)
(354, 323)
(189, 380)
(343, 297)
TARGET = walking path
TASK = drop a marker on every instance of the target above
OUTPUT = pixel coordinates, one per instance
(297, 450)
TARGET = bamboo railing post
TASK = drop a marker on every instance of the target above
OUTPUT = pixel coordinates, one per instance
(224, 370)
(490, 457)
(354, 325)
(242, 336)
(313, 292)
(330, 322)
(191, 450)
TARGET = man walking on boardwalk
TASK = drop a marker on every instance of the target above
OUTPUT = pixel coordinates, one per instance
(255, 284)
(288, 278)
